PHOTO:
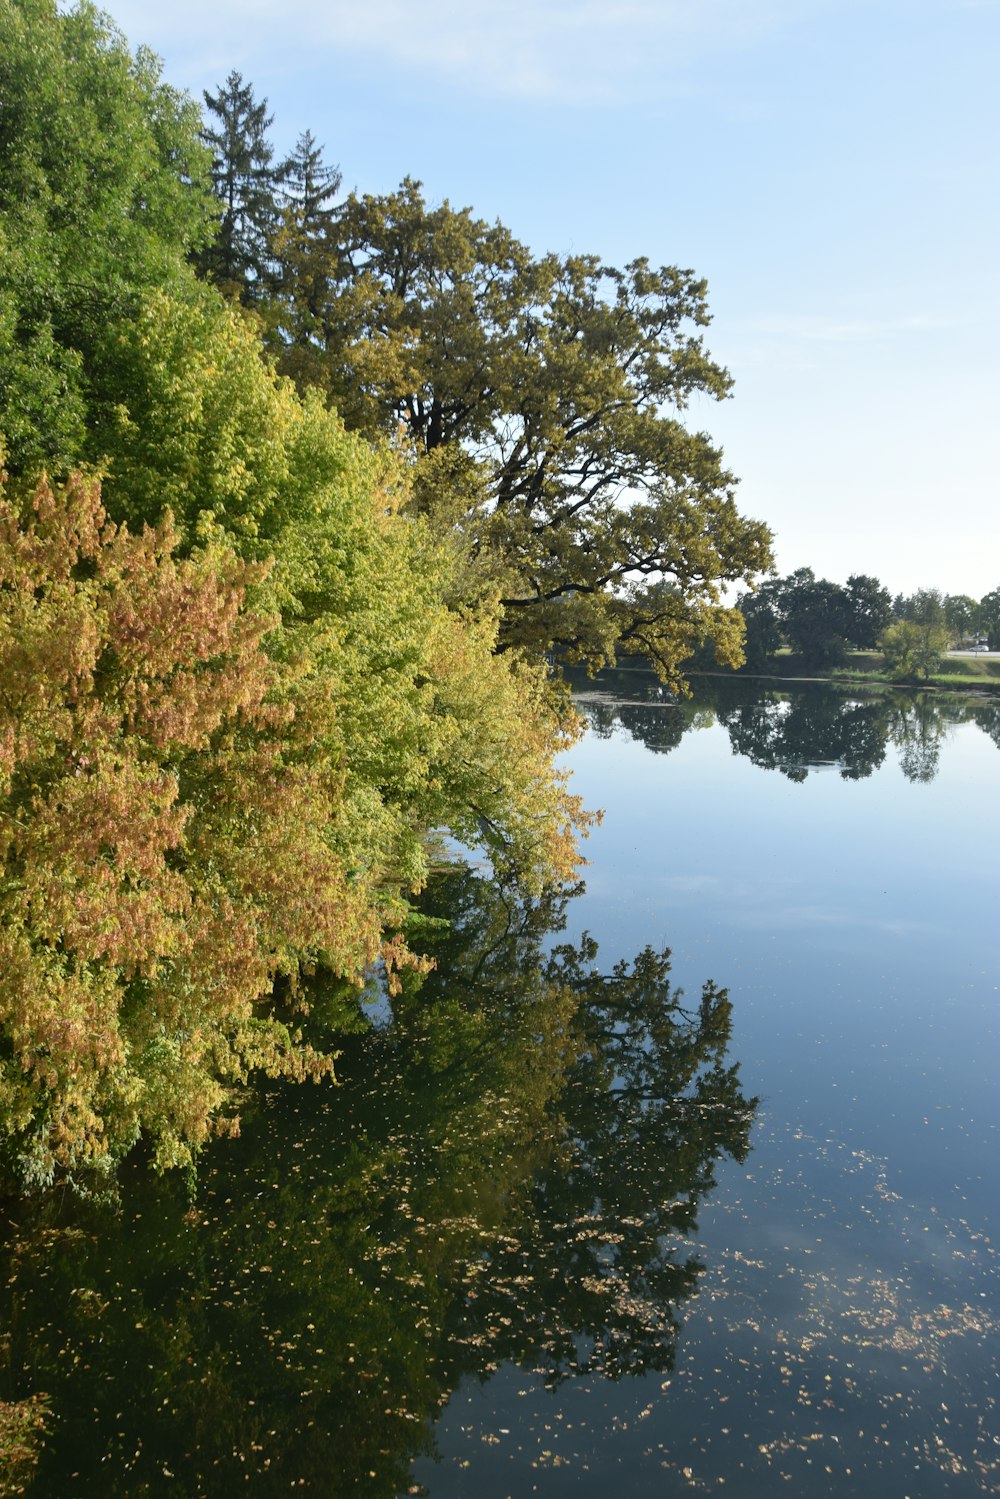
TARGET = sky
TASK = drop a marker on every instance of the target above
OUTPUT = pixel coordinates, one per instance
(830, 166)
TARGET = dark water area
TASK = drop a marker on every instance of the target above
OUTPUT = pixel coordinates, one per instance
(683, 1181)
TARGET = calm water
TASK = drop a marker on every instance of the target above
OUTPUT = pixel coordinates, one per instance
(589, 1212)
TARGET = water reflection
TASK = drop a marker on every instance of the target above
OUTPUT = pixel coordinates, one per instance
(795, 732)
(505, 1173)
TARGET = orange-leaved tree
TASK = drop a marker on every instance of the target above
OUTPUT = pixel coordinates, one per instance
(165, 840)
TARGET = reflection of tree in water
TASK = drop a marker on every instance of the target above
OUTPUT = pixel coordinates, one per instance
(987, 716)
(819, 728)
(919, 727)
(649, 713)
(504, 1173)
(588, 1273)
(793, 732)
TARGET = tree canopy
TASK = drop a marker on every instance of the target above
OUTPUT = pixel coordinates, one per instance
(818, 619)
(103, 193)
(540, 401)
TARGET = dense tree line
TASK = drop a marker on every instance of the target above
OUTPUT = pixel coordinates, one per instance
(300, 495)
(234, 690)
(822, 621)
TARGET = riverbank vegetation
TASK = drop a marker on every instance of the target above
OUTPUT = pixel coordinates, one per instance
(297, 506)
(802, 625)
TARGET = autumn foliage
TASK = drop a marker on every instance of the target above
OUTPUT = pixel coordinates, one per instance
(173, 823)
(241, 677)
(164, 835)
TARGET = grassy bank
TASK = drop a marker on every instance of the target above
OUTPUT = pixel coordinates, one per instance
(978, 673)
(866, 668)
(955, 674)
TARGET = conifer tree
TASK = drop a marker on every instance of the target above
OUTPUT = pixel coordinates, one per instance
(247, 183)
(305, 252)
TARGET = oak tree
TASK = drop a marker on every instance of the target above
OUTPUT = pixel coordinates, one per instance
(541, 400)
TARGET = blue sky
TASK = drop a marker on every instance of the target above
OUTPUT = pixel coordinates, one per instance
(829, 165)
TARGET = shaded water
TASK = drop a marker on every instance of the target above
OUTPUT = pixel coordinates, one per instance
(564, 1225)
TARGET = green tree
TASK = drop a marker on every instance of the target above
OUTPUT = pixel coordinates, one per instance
(305, 252)
(961, 614)
(541, 401)
(913, 649)
(989, 618)
(762, 615)
(924, 607)
(408, 716)
(247, 183)
(433, 726)
(103, 192)
(816, 617)
(870, 610)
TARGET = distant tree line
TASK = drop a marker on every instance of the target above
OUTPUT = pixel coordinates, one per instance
(822, 621)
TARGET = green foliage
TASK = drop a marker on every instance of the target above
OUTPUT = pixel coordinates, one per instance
(816, 616)
(246, 183)
(306, 251)
(961, 615)
(870, 610)
(223, 735)
(102, 194)
(433, 727)
(539, 400)
(913, 649)
(924, 607)
(819, 620)
(989, 618)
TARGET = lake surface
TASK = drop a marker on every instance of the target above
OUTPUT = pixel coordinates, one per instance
(686, 1181)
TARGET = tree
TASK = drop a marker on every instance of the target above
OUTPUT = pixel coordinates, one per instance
(913, 649)
(989, 618)
(433, 727)
(305, 252)
(924, 607)
(540, 400)
(961, 614)
(816, 617)
(103, 194)
(247, 184)
(870, 610)
(164, 807)
(762, 614)
(381, 710)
